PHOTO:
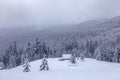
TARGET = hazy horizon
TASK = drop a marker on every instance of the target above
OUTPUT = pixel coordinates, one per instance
(17, 13)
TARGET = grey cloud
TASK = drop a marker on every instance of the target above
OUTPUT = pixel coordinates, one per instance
(48, 12)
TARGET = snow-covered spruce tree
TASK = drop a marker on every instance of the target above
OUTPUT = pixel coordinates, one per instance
(21, 57)
(26, 66)
(117, 54)
(107, 51)
(44, 50)
(14, 55)
(6, 59)
(44, 66)
(29, 53)
(73, 58)
(49, 52)
(37, 50)
(1, 65)
(9, 58)
(82, 57)
(98, 54)
(80, 52)
(118, 39)
(90, 48)
(70, 44)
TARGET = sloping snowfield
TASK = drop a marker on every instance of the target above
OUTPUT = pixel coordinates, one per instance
(90, 69)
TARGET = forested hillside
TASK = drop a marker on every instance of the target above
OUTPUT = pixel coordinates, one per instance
(97, 39)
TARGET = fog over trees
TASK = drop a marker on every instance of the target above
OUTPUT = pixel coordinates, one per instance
(37, 29)
(100, 43)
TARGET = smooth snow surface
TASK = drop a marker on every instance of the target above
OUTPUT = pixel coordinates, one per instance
(90, 69)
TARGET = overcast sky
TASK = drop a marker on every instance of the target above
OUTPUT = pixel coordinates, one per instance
(51, 12)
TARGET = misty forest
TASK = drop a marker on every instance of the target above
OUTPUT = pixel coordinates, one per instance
(100, 43)
(59, 39)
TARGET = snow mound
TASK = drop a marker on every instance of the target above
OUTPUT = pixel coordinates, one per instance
(89, 69)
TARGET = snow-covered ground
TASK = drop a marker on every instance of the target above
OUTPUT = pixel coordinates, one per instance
(90, 69)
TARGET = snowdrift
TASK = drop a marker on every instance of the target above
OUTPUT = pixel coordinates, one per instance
(89, 69)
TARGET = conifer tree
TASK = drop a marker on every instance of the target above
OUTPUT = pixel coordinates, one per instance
(44, 66)
(37, 50)
(29, 53)
(73, 59)
(26, 66)
(1, 65)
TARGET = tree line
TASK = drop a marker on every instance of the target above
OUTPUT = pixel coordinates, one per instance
(103, 50)
(15, 57)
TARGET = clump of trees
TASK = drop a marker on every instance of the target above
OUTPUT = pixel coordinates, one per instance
(15, 57)
(103, 50)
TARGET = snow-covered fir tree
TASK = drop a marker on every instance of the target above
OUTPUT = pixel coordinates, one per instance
(82, 57)
(90, 48)
(26, 66)
(98, 54)
(44, 50)
(29, 52)
(44, 66)
(9, 58)
(21, 56)
(73, 58)
(37, 47)
(1, 65)
(116, 56)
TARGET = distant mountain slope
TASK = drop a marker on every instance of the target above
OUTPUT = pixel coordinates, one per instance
(92, 29)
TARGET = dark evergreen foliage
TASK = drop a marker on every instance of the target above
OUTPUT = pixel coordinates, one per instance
(26, 69)
(15, 57)
(44, 65)
(106, 50)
